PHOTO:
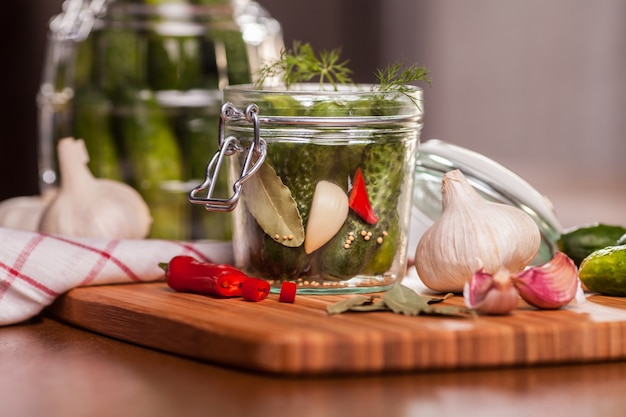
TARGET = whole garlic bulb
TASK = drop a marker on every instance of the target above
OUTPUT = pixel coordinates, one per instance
(24, 213)
(86, 206)
(471, 232)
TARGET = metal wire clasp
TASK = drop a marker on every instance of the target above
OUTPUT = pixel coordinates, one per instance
(255, 155)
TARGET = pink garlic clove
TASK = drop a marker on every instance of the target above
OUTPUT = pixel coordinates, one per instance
(551, 285)
(491, 294)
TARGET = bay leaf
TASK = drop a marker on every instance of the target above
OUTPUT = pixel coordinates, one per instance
(403, 300)
(379, 305)
(437, 300)
(347, 303)
(454, 311)
(400, 299)
(271, 204)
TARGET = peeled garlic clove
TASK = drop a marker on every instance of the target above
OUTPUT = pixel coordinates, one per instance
(471, 227)
(491, 294)
(551, 285)
(329, 210)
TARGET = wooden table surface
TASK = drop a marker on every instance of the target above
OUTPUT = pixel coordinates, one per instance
(51, 369)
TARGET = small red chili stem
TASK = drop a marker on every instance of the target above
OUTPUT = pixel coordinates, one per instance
(359, 201)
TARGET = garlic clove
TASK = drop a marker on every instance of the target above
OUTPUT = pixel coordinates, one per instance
(471, 227)
(551, 285)
(329, 210)
(491, 293)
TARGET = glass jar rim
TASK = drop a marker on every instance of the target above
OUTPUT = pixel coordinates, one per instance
(352, 100)
(171, 10)
(311, 88)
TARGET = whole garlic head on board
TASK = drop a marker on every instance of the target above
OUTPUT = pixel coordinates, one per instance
(473, 232)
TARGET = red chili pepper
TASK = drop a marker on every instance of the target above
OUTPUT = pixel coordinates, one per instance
(287, 292)
(255, 289)
(187, 274)
(359, 201)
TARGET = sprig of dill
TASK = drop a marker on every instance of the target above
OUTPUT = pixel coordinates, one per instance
(301, 64)
(396, 78)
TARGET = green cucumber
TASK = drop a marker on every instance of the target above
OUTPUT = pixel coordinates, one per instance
(301, 166)
(175, 62)
(197, 132)
(281, 105)
(270, 259)
(336, 261)
(236, 53)
(382, 258)
(580, 242)
(383, 169)
(154, 162)
(604, 271)
(92, 123)
(122, 63)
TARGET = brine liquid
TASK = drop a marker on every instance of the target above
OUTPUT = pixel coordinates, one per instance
(360, 257)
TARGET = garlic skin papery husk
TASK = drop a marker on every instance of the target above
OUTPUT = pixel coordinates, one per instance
(551, 285)
(24, 213)
(469, 228)
(86, 206)
(491, 294)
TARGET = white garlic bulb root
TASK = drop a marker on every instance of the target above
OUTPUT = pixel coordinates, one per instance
(86, 206)
(469, 228)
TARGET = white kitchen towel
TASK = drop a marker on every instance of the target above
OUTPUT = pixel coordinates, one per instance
(36, 268)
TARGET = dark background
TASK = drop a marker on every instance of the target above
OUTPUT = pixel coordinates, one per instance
(23, 33)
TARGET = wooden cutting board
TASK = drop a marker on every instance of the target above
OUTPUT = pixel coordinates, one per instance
(301, 338)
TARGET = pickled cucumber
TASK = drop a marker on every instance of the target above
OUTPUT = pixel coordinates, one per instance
(300, 167)
(604, 271)
(92, 123)
(197, 133)
(175, 62)
(270, 259)
(339, 262)
(383, 169)
(155, 162)
(231, 44)
(382, 258)
(282, 106)
(123, 61)
(578, 243)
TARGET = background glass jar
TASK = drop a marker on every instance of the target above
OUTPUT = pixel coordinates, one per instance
(140, 81)
(314, 136)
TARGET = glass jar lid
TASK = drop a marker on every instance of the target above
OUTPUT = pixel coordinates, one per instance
(493, 181)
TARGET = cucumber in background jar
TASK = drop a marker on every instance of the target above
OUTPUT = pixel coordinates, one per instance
(155, 165)
(92, 123)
